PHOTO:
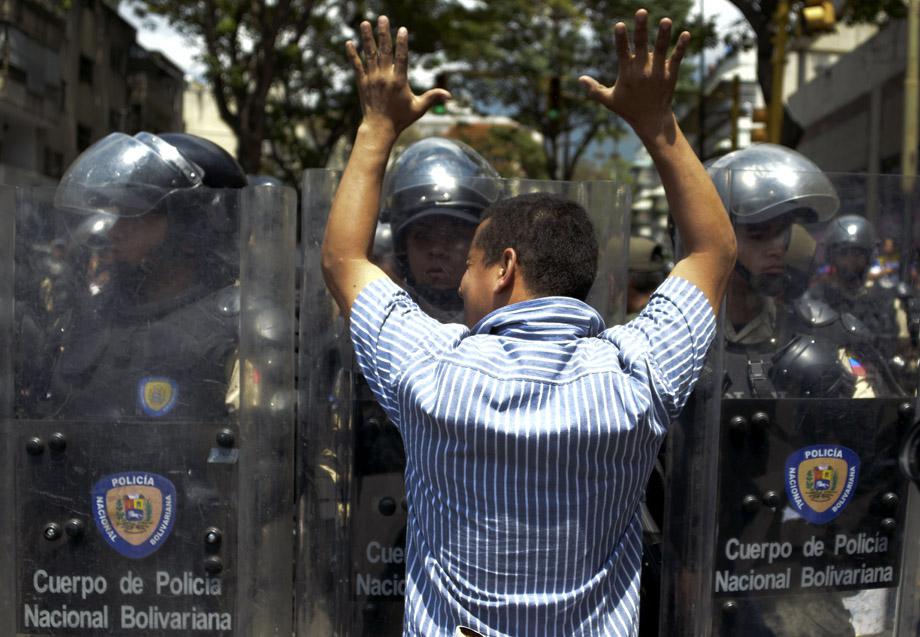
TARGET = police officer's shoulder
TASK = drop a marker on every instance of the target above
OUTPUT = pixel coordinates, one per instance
(814, 311)
(854, 326)
(215, 311)
(226, 302)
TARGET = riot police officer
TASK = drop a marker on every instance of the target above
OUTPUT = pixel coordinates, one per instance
(128, 464)
(765, 308)
(154, 332)
(779, 345)
(433, 196)
(851, 245)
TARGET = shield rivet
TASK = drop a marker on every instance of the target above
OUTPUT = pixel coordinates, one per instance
(737, 424)
(225, 438)
(889, 525)
(387, 506)
(213, 536)
(890, 500)
(213, 565)
(52, 531)
(75, 528)
(750, 503)
(760, 419)
(34, 446)
(771, 499)
(57, 442)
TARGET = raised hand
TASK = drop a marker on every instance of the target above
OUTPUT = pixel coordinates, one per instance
(645, 83)
(387, 101)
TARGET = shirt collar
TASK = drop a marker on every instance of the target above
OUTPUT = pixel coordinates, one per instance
(549, 318)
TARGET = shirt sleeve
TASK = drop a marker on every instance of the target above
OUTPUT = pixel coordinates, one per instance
(666, 344)
(390, 333)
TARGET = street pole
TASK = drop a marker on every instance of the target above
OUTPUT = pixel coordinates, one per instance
(909, 149)
(736, 109)
(780, 22)
(909, 137)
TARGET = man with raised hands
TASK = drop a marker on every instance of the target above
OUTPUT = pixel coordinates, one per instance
(530, 432)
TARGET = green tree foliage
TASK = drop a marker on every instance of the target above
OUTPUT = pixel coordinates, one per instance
(282, 83)
(528, 67)
(278, 71)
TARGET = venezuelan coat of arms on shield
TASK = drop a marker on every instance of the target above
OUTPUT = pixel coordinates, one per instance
(134, 511)
(157, 395)
(821, 481)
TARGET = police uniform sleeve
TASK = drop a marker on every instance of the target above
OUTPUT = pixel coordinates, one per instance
(666, 345)
(390, 333)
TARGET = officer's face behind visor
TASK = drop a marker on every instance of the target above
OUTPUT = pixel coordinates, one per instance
(762, 250)
(436, 248)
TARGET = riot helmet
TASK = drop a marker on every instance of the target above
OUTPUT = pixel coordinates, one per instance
(851, 242)
(765, 181)
(766, 189)
(433, 197)
(156, 200)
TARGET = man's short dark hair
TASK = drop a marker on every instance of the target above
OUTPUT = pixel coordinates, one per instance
(553, 238)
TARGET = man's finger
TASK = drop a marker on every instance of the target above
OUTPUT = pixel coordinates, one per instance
(640, 37)
(370, 48)
(401, 63)
(661, 44)
(384, 41)
(355, 59)
(622, 42)
(674, 63)
(595, 89)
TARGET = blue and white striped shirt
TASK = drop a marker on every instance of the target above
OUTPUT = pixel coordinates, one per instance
(529, 440)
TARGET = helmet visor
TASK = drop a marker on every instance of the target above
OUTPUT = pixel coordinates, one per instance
(125, 176)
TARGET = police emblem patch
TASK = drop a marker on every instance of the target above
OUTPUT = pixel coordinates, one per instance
(134, 511)
(821, 480)
(157, 395)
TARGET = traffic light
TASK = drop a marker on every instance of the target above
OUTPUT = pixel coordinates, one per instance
(440, 81)
(759, 118)
(819, 16)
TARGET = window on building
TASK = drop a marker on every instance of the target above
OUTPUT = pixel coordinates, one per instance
(117, 59)
(54, 163)
(84, 137)
(86, 70)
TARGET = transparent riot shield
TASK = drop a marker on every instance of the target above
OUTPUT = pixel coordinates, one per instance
(147, 415)
(351, 502)
(787, 512)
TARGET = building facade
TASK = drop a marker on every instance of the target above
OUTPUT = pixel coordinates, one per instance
(70, 73)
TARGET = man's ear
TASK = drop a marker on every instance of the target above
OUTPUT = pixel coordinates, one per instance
(509, 270)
